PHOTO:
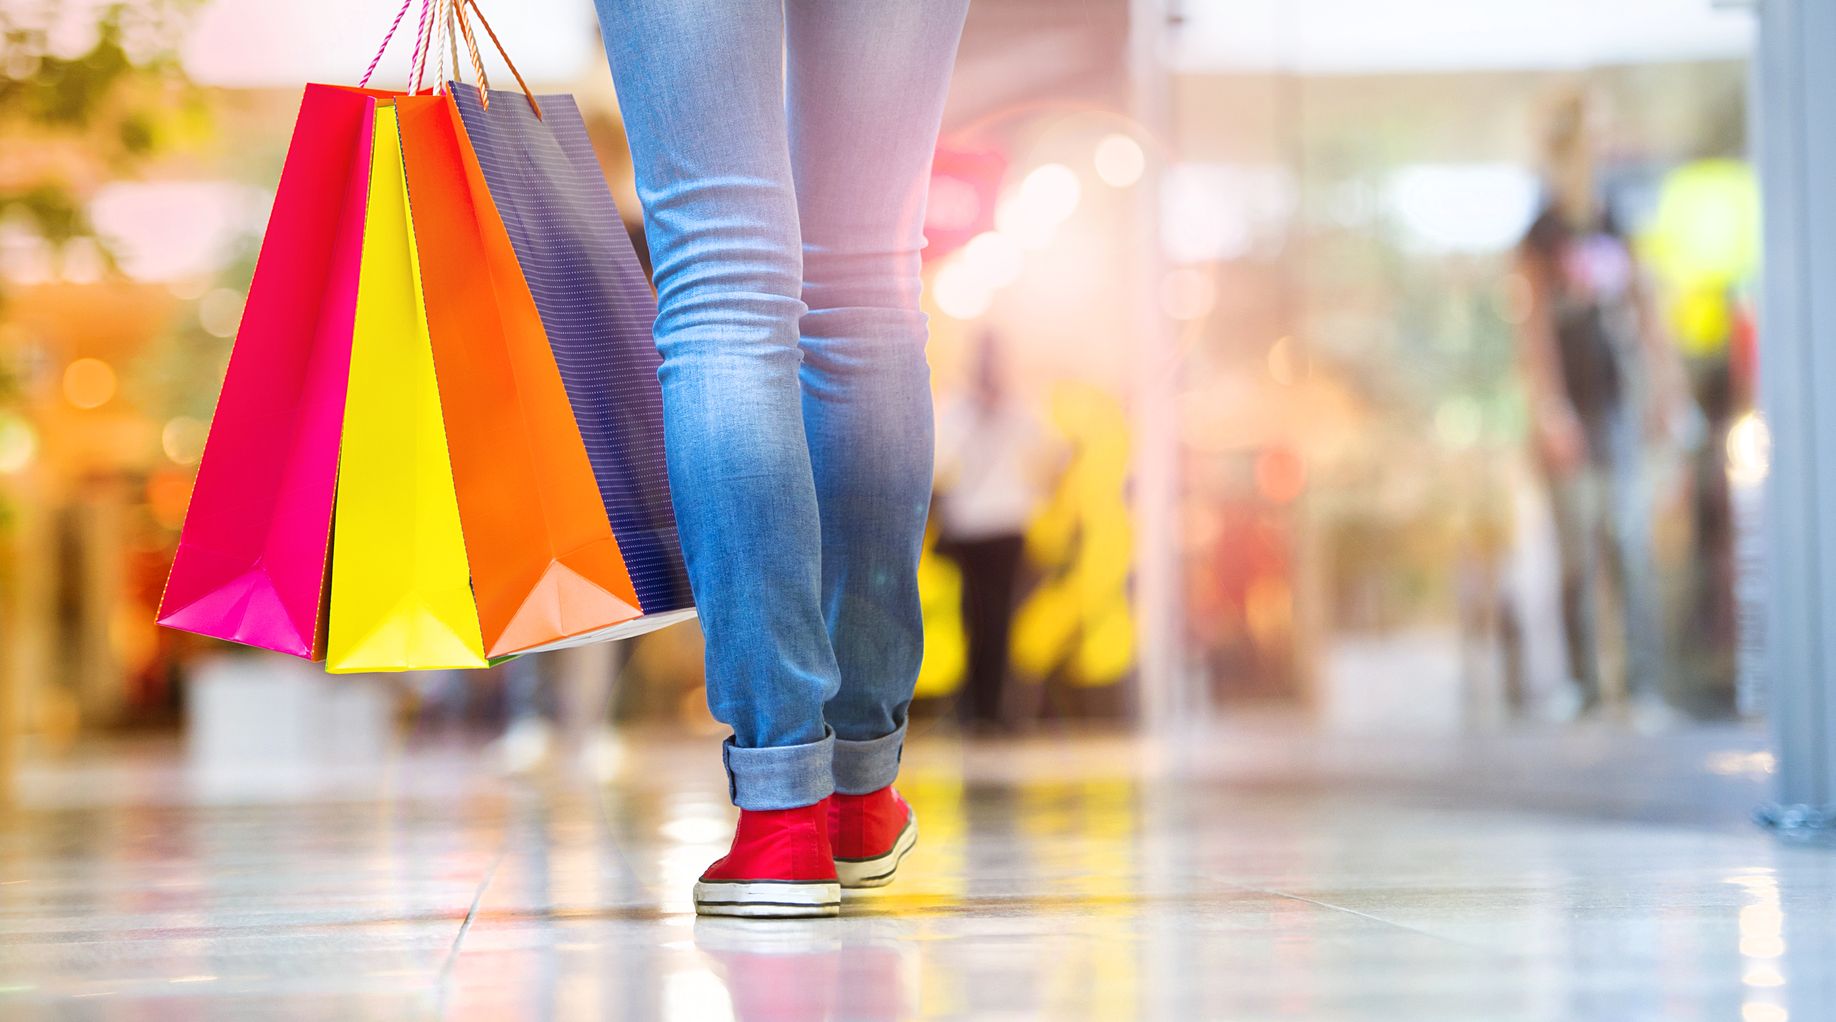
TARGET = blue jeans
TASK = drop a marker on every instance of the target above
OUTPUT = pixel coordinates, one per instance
(782, 150)
(1602, 514)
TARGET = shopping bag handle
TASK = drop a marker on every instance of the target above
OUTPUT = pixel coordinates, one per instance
(458, 26)
(424, 48)
(425, 38)
(471, 44)
(389, 37)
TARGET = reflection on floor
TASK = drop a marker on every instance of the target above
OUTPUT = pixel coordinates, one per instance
(1260, 874)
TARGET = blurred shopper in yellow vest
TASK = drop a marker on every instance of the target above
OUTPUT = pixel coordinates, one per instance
(994, 464)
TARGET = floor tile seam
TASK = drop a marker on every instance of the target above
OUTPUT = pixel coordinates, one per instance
(444, 981)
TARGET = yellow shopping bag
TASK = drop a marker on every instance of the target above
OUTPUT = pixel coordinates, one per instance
(401, 594)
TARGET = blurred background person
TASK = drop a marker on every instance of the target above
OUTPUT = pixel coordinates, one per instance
(1601, 382)
(994, 466)
(555, 708)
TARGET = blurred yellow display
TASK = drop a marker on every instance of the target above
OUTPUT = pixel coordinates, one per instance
(946, 647)
(401, 588)
(1079, 620)
(1702, 244)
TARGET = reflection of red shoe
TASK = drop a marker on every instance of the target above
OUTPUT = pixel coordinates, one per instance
(779, 970)
(870, 834)
(780, 866)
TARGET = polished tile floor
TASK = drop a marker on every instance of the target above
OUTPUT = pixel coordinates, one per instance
(1254, 872)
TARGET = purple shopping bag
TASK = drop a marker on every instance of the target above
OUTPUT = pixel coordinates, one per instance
(598, 310)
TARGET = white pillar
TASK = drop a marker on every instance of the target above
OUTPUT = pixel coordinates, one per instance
(1795, 113)
(1165, 691)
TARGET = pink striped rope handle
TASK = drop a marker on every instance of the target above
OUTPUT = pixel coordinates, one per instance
(390, 37)
(419, 57)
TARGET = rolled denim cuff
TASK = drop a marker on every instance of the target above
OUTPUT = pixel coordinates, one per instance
(863, 767)
(779, 777)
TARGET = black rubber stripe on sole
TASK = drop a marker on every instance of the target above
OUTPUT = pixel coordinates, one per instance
(775, 904)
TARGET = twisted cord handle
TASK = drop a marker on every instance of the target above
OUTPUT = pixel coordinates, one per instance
(471, 47)
(389, 37)
(423, 37)
(427, 39)
(511, 64)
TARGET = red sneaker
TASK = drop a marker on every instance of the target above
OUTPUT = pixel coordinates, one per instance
(780, 866)
(870, 834)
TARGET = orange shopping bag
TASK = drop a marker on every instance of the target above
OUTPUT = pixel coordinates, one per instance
(545, 565)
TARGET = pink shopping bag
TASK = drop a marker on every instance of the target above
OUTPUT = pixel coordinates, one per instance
(251, 562)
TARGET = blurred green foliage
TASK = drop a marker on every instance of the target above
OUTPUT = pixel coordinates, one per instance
(88, 93)
(85, 91)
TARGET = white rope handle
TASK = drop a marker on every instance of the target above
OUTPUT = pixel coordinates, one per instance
(431, 13)
(418, 61)
(447, 39)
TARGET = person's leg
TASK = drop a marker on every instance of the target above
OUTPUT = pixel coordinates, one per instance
(972, 562)
(584, 676)
(867, 80)
(1627, 508)
(1002, 570)
(700, 83)
(1570, 504)
(528, 737)
(989, 567)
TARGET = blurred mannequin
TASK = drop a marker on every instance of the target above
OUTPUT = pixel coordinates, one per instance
(993, 459)
(1599, 378)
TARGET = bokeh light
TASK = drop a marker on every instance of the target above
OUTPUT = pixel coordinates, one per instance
(1120, 161)
(89, 383)
(18, 443)
(995, 257)
(1046, 198)
(1749, 447)
(220, 312)
(183, 440)
(1463, 207)
(1281, 475)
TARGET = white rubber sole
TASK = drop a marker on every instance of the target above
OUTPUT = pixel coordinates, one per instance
(878, 871)
(767, 899)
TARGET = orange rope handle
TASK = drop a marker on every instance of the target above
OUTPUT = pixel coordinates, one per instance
(473, 4)
(471, 47)
(452, 47)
